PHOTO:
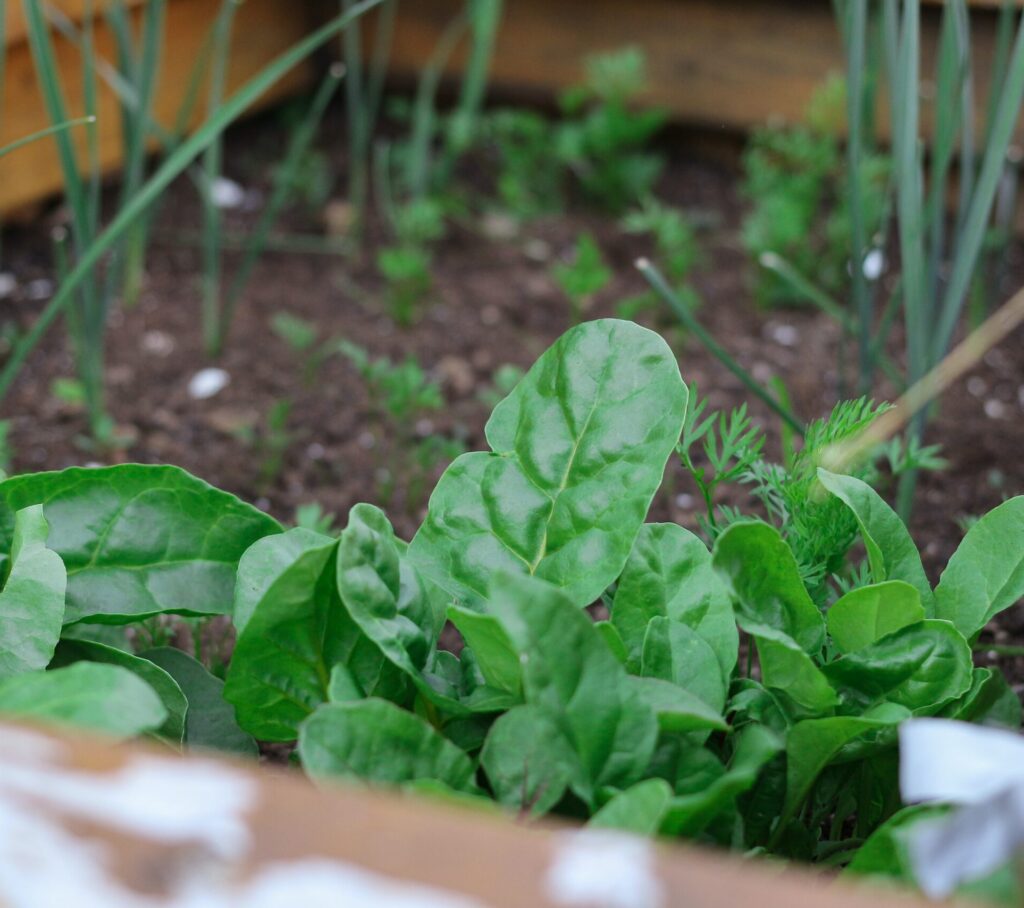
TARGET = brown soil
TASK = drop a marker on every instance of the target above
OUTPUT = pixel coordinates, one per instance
(493, 302)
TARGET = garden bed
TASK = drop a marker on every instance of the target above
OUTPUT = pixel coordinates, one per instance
(494, 303)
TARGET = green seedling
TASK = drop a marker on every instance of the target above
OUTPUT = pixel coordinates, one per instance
(583, 277)
(313, 517)
(603, 140)
(405, 265)
(648, 722)
(505, 378)
(676, 249)
(400, 394)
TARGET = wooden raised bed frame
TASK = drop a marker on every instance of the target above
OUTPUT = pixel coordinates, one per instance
(467, 854)
(262, 30)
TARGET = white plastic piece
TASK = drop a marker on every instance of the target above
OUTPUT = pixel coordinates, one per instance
(601, 869)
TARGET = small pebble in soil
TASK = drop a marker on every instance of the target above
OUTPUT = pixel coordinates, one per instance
(457, 374)
(874, 264)
(537, 250)
(366, 440)
(762, 372)
(263, 504)
(424, 427)
(976, 385)
(785, 335)
(39, 289)
(490, 315)
(316, 451)
(684, 502)
(227, 193)
(207, 382)
(497, 226)
(159, 343)
(995, 409)
(8, 284)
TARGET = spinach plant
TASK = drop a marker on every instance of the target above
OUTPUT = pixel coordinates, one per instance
(648, 720)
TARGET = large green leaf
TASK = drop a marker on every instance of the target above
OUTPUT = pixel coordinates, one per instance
(32, 600)
(378, 742)
(580, 446)
(787, 668)
(891, 551)
(869, 613)
(210, 723)
(762, 575)
(669, 574)
(298, 630)
(138, 540)
(528, 760)
(639, 809)
(674, 652)
(166, 688)
(102, 698)
(986, 573)
(921, 667)
(569, 672)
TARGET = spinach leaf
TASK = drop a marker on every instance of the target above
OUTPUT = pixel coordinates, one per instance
(580, 446)
(494, 653)
(690, 814)
(528, 761)
(210, 722)
(138, 540)
(891, 552)
(569, 672)
(639, 809)
(785, 667)
(70, 652)
(378, 742)
(297, 631)
(103, 698)
(921, 667)
(673, 652)
(32, 600)
(986, 573)
(763, 578)
(812, 744)
(669, 574)
(868, 613)
(677, 709)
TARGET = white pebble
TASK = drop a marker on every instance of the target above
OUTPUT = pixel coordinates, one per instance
(874, 264)
(786, 335)
(227, 193)
(159, 343)
(8, 284)
(40, 289)
(684, 502)
(207, 382)
(366, 440)
(995, 409)
(976, 385)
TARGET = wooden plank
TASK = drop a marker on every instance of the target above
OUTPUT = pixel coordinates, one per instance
(93, 824)
(16, 30)
(263, 29)
(721, 66)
